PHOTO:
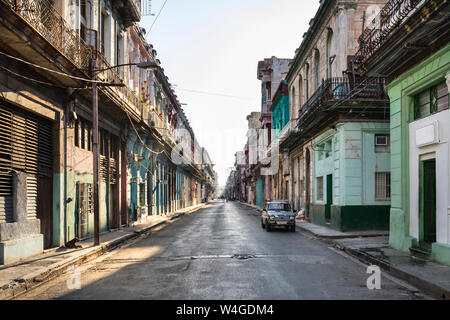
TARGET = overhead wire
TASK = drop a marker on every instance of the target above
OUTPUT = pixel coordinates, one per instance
(50, 70)
(39, 81)
(159, 13)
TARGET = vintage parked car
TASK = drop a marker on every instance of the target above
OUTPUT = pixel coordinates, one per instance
(278, 214)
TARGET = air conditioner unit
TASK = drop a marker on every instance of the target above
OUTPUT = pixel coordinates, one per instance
(381, 140)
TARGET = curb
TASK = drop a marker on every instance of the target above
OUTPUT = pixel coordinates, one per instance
(426, 286)
(35, 279)
(350, 236)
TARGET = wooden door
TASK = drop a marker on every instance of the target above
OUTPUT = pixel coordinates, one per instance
(429, 200)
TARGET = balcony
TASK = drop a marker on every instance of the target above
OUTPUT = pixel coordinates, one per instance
(130, 10)
(341, 95)
(48, 23)
(403, 30)
(62, 46)
(128, 100)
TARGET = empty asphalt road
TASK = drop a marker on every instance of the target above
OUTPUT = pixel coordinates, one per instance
(221, 252)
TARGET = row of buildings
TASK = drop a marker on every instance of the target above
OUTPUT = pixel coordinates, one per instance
(354, 130)
(52, 53)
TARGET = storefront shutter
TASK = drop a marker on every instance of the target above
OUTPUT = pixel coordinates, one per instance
(25, 146)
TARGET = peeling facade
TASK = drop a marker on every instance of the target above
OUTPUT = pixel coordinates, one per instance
(46, 131)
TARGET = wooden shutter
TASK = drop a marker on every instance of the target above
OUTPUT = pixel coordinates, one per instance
(25, 146)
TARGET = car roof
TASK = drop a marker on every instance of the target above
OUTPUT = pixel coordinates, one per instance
(278, 202)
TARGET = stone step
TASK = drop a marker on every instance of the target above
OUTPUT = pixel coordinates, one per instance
(421, 253)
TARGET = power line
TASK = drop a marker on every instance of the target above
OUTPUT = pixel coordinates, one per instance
(140, 139)
(157, 16)
(38, 81)
(213, 94)
(52, 71)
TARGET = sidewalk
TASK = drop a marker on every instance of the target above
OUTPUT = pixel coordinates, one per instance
(251, 206)
(24, 275)
(373, 247)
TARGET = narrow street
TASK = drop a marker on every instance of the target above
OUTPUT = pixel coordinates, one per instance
(221, 252)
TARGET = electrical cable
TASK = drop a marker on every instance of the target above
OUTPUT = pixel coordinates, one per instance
(52, 71)
(39, 81)
(213, 94)
(140, 139)
(157, 16)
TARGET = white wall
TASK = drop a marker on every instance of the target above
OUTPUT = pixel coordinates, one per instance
(441, 152)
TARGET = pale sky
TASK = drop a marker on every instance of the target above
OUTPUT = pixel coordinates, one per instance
(214, 47)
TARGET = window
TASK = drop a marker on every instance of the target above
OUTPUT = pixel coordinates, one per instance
(142, 194)
(77, 134)
(103, 36)
(316, 69)
(430, 101)
(382, 143)
(320, 188)
(83, 134)
(382, 186)
(269, 90)
(85, 11)
(328, 148)
(279, 207)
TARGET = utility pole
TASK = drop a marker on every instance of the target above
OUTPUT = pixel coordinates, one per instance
(95, 154)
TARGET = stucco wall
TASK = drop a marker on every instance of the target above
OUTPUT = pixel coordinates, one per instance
(403, 227)
(352, 162)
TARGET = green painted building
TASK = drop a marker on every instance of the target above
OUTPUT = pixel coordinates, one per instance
(416, 59)
(280, 109)
(351, 176)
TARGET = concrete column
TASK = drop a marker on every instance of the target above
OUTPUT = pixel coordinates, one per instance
(19, 196)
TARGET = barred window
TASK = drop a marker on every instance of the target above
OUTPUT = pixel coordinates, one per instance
(430, 101)
(320, 188)
(382, 186)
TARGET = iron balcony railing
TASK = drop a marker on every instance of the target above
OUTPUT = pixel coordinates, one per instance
(42, 16)
(380, 29)
(340, 90)
(131, 100)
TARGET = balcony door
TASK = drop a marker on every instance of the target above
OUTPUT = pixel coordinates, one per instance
(85, 18)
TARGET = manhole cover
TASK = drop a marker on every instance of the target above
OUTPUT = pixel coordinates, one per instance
(243, 256)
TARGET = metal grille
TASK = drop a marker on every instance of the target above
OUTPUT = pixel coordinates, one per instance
(85, 208)
(320, 188)
(382, 186)
(377, 33)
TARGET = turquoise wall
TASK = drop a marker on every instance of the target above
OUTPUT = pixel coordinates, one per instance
(352, 161)
(259, 192)
(280, 112)
(72, 214)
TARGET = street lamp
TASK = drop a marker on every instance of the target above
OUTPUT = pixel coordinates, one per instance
(142, 65)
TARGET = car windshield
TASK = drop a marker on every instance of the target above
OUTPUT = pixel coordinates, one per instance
(279, 207)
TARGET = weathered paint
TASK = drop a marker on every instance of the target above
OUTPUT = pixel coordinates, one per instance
(259, 192)
(72, 214)
(352, 162)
